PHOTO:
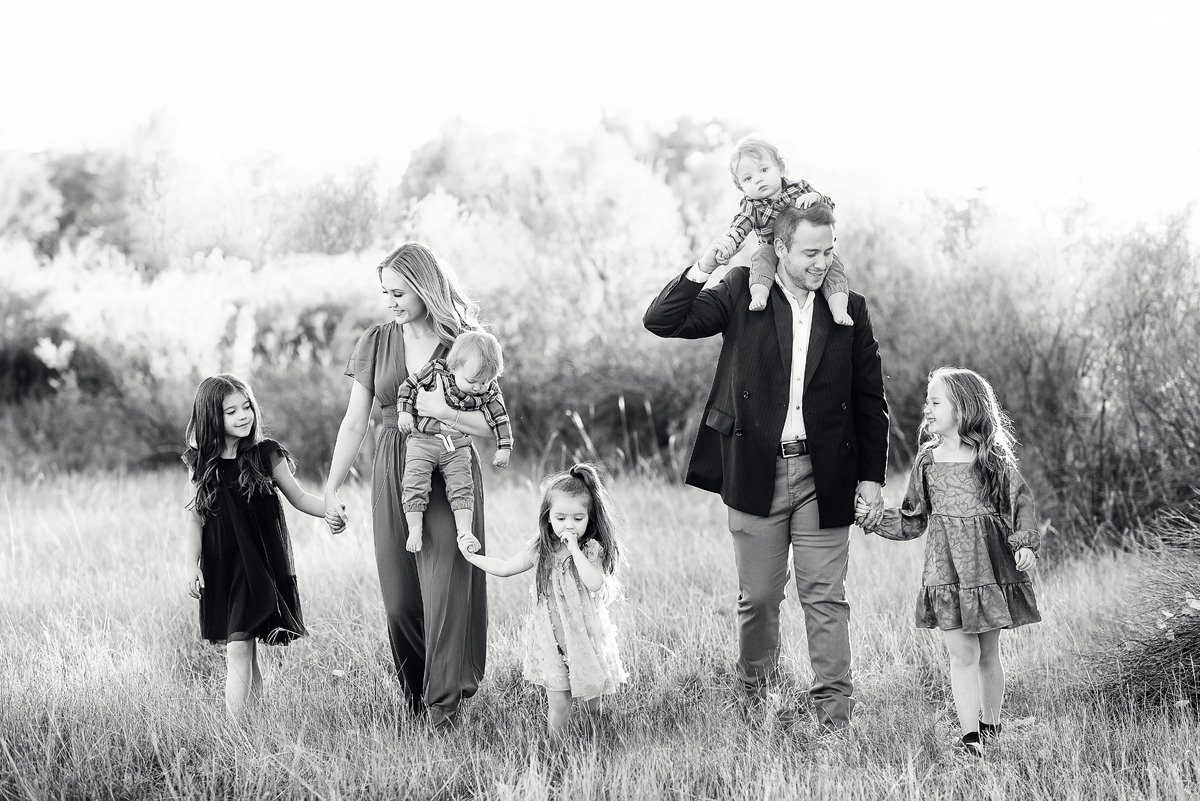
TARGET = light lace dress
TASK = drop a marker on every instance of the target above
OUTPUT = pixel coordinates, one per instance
(571, 643)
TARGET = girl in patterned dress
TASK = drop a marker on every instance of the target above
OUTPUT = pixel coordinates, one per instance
(571, 647)
(966, 493)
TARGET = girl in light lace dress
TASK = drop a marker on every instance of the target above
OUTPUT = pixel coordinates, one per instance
(966, 493)
(571, 644)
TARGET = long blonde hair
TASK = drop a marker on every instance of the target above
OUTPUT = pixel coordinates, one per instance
(983, 425)
(449, 307)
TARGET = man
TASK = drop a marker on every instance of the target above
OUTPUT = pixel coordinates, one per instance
(795, 427)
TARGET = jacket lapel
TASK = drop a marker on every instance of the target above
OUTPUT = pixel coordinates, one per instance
(783, 326)
(822, 319)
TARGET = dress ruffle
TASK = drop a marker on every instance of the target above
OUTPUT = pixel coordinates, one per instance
(977, 609)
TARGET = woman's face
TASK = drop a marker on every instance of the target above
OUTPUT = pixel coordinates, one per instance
(404, 303)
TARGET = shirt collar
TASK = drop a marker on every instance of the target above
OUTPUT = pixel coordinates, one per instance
(801, 303)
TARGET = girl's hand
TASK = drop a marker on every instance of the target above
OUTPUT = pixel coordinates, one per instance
(432, 402)
(570, 539)
(861, 510)
(195, 581)
(1026, 559)
(405, 423)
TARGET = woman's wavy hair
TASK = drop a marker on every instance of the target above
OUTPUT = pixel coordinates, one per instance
(584, 480)
(983, 425)
(205, 440)
(451, 309)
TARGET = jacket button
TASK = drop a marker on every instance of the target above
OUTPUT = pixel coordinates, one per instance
(843, 406)
(745, 393)
(737, 432)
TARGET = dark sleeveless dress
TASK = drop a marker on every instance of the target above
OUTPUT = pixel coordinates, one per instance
(246, 556)
(436, 602)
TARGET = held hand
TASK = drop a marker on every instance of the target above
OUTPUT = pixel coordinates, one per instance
(468, 545)
(711, 258)
(335, 513)
(432, 402)
(870, 493)
(195, 581)
(807, 199)
(501, 458)
(405, 422)
(861, 510)
(726, 247)
(1026, 559)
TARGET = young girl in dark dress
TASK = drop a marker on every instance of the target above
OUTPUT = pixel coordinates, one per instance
(239, 556)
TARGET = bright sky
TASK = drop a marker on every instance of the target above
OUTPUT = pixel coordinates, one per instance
(1052, 98)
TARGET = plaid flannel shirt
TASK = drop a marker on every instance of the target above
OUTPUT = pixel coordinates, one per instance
(490, 402)
(759, 215)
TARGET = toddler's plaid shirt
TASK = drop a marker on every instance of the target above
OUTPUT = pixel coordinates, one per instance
(490, 402)
(759, 215)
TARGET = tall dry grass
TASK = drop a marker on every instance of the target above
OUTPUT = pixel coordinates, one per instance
(105, 691)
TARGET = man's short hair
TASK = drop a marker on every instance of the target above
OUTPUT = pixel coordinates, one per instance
(789, 218)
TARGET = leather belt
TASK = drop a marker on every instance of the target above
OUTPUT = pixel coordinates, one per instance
(792, 448)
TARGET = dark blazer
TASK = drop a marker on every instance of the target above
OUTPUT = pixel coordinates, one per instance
(845, 412)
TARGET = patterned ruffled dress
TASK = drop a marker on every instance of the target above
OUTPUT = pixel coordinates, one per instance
(971, 581)
(571, 643)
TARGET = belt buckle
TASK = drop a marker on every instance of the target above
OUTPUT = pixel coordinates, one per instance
(793, 445)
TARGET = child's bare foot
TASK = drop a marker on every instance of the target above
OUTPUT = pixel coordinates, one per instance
(839, 303)
(758, 297)
(414, 542)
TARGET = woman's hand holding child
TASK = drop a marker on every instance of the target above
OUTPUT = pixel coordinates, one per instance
(405, 422)
(468, 545)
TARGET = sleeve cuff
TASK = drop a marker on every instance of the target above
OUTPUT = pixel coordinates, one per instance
(697, 275)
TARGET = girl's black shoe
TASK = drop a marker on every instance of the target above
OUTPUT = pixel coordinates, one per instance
(969, 744)
(989, 732)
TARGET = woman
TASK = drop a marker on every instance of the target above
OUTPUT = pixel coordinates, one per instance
(436, 603)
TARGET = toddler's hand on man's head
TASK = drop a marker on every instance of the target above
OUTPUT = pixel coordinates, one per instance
(807, 199)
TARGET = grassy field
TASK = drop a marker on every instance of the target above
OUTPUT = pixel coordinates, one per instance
(105, 691)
